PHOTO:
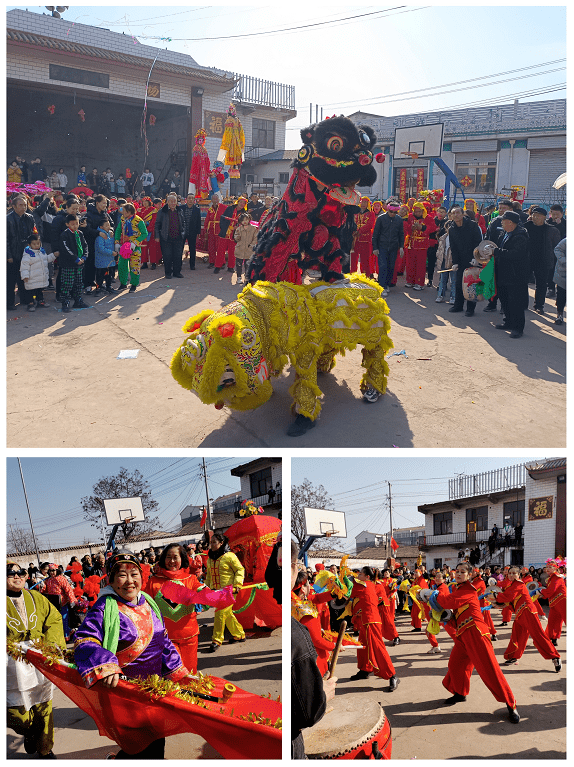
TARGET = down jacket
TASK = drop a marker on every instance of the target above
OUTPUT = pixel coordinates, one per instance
(245, 237)
(560, 270)
(34, 267)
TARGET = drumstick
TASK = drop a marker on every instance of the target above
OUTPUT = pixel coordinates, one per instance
(338, 644)
(440, 271)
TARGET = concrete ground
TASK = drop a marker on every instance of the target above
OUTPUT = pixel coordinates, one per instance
(464, 383)
(423, 728)
(254, 666)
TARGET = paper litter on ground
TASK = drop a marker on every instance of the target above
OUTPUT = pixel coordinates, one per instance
(128, 354)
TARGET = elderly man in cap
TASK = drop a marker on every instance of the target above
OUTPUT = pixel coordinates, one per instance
(512, 267)
(543, 239)
(388, 240)
(29, 693)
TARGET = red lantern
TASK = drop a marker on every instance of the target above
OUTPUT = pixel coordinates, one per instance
(152, 119)
(82, 115)
(51, 109)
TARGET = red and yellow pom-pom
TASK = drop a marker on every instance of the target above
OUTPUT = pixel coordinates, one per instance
(380, 157)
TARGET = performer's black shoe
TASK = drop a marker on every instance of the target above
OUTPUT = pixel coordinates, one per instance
(217, 270)
(393, 683)
(396, 641)
(503, 624)
(360, 675)
(554, 642)
(493, 638)
(510, 661)
(212, 647)
(30, 744)
(413, 631)
(300, 425)
(456, 698)
(557, 664)
(233, 640)
(513, 714)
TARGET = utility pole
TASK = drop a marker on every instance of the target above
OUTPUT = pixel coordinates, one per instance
(209, 524)
(29, 515)
(310, 113)
(390, 519)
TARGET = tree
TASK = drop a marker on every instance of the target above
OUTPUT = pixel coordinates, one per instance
(20, 541)
(123, 485)
(306, 495)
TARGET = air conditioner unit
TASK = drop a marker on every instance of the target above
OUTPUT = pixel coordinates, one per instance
(250, 178)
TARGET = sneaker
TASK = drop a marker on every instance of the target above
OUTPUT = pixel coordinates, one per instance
(439, 300)
(559, 320)
(451, 301)
(385, 292)
(371, 394)
(80, 304)
(557, 664)
(419, 287)
(132, 288)
(396, 641)
(408, 284)
(41, 305)
(413, 630)
(493, 638)
(216, 270)
(31, 307)
(212, 647)
(66, 306)
(429, 284)
(550, 293)
(89, 289)
(513, 714)
(489, 308)
(433, 651)
(554, 642)
(539, 310)
(122, 287)
(233, 640)
(393, 683)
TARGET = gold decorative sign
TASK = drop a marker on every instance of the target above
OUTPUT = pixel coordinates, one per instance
(214, 123)
(153, 90)
(540, 508)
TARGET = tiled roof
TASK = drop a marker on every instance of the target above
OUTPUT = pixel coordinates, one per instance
(67, 46)
(553, 463)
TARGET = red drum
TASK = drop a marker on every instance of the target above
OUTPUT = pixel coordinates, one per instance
(352, 728)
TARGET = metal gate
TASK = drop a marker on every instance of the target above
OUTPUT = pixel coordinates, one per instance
(545, 167)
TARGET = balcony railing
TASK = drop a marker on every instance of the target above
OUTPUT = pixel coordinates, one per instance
(454, 539)
(260, 500)
(493, 481)
(253, 90)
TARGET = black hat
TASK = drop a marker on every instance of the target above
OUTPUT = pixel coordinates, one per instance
(506, 202)
(511, 215)
(122, 557)
(540, 209)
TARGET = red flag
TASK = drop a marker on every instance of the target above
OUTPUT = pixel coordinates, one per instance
(203, 518)
(394, 544)
(182, 596)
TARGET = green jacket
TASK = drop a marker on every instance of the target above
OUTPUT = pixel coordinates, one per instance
(44, 620)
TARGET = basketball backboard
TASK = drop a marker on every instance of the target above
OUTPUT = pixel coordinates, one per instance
(120, 510)
(325, 522)
(423, 140)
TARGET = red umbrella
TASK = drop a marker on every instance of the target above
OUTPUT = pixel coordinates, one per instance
(81, 190)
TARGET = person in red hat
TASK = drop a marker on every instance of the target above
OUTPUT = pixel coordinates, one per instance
(362, 239)
(418, 226)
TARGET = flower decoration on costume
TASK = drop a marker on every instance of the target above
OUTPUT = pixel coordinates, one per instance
(249, 509)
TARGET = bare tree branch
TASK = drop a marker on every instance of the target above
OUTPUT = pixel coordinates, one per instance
(20, 541)
(306, 495)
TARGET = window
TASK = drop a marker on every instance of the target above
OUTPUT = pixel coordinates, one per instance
(514, 513)
(283, 178)
(437, 563)
(260, 482)
(442, 523)
(263, 134)
(269, 181)
(477, 178)
(82, 76)
(478, 516)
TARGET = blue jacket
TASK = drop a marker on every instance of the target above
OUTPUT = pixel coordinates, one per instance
(105, 250)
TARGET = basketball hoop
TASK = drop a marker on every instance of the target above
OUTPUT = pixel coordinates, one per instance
(412, 155)
(329, 533)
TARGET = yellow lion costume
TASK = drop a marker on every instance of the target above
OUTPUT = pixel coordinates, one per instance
(230, 354)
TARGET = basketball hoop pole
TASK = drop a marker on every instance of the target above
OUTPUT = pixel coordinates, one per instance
(309, 542)
(115, 530)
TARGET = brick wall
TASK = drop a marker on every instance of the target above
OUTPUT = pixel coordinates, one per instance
(540, 535)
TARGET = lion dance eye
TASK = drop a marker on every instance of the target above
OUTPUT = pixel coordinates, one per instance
(335, 144)
(364, 138)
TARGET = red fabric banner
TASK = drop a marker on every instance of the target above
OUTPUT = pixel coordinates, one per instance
(420, 180)
(203, 518)
(182, 596)
(394, 544)
(403, 184)
(128, 716)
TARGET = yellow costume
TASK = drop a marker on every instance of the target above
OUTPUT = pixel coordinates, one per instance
(221, 572)
(233, 140)
(230, 354)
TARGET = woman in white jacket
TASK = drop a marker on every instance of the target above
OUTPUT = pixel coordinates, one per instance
(34, 271)
(245, 236)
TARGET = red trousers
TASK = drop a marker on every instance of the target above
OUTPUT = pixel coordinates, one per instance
(415, 619)
(473, 650)
(375, 657)
(487, 618)
(188, 653)
(556, 617)
(506, 614)
(211, 246)
(538, 607)
(416, 266)
(225, 247)
(523, 627)
(388, 628)
(151, 252)
(432, 639)
(362, 252)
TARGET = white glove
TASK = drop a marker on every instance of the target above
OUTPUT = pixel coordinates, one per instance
(117, 247)
(489, 249)
(132, 245)
(454, 268)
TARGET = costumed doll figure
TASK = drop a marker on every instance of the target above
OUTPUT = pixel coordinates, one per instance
(362, 239)
(230, 355)
(232, 142)
(312, 224)
(199, 172)
(130, 233)
(418, 226)
(30, 616)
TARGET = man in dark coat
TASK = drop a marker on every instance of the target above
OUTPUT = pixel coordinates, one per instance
(19, 226)
(512, 268)
(169, 232)
(543, 239)
(192, 216)
(464, 236)
(495, 232)
(388, 239)
(37, 171)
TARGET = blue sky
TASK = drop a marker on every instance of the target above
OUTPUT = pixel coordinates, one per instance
(358, 486)
(55, 487)
(343, 65)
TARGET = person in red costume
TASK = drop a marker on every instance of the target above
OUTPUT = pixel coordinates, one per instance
(416, 611)
(418, 226)
(525, 623)
(362, 239)
(386, 611)
(366, 613)
(228, 217)
(480, 586)
(472, 647)
(180, 620)
(304, 608)
(555, 593)
(471, 212)
(525, 577)
(212, 228)
(507, 609)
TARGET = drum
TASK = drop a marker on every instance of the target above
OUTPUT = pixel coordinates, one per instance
(470, 279)
(352, 728)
